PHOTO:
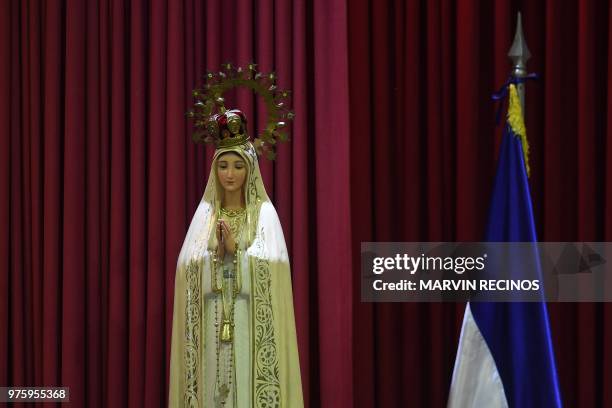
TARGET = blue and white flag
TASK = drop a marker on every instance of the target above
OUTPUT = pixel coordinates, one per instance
(505, 356)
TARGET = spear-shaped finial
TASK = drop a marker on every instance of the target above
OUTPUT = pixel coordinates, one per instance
(519, 54)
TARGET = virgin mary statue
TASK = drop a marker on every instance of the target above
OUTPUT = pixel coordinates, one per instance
(233, 331)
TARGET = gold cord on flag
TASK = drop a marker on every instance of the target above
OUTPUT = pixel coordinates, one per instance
(517, 123)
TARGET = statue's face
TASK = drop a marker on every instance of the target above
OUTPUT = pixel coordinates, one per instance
(231, 171)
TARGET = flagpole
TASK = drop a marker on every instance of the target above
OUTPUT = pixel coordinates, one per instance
(519, 54)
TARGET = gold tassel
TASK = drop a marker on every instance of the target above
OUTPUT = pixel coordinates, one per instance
(226, 331)
(517, 123)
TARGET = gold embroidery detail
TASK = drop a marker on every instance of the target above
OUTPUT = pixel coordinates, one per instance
(192, 334)
(235, 220)
(233, 212)
(266, 374)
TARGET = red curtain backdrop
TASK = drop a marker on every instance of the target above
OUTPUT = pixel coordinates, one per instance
(394, 139)
(100, 179)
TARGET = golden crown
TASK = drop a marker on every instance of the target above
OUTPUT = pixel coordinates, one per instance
(224, 128)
